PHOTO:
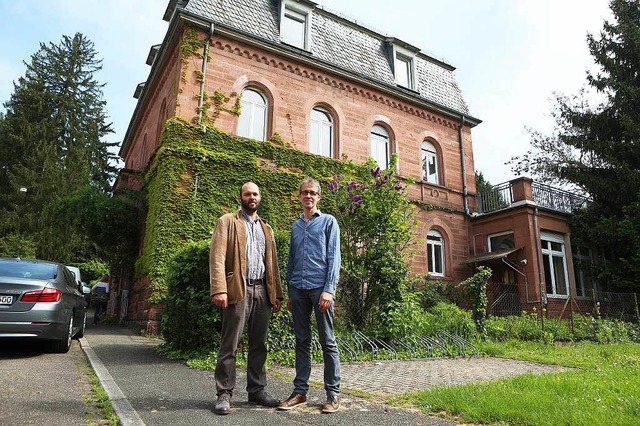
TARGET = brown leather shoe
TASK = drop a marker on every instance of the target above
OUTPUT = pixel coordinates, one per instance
(293, 401)
(332, 404)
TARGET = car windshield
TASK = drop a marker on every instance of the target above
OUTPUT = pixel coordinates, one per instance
(26, 269)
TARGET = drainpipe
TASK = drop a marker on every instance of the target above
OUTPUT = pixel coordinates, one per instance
(465, 192)
(543, 290)
(204, 73)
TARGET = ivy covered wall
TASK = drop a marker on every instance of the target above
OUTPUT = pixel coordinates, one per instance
(196, 177)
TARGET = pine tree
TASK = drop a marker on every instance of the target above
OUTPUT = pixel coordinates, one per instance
(51, 138)
(596, 149)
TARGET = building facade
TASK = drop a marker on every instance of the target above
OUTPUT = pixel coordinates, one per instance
(332, 87)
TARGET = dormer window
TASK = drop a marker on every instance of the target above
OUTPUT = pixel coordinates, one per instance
(295, 24)
(404, 68)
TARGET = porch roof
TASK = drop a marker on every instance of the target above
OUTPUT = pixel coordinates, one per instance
(494, 255)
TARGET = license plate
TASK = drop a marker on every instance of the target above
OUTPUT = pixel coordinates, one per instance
(6, 300)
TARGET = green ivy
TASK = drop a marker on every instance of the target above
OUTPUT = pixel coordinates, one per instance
(196, 176)
(477, 284)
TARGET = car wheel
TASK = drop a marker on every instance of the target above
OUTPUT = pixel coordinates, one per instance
(62, 346)
(80, 333)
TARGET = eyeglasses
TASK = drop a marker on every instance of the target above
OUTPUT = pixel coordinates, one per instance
(308, 193)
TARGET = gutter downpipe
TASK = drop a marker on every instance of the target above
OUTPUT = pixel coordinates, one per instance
(204, 73)
(465, 192)
(543, 291)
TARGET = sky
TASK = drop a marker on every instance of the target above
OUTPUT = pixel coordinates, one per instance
(510, 56)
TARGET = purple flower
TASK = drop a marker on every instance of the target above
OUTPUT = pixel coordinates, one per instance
(375, 172)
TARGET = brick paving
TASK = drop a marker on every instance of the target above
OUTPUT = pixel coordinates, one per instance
(395, 377)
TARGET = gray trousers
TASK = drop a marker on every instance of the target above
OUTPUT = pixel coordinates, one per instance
(255, 311)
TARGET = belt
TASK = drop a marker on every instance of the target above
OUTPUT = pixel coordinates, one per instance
(251, 282)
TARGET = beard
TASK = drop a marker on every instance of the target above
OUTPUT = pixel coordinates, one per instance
(247, 207)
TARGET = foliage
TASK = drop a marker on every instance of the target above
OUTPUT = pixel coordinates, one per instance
(92, 270)
(109, 225)
(430, 292)
(594, 149)
(17, 245)
(478, 286)
(191, 320)
(527, 327)
(50, 144)
(376, 234)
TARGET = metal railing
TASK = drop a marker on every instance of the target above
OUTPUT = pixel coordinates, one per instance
(556, 199)
(501, 197)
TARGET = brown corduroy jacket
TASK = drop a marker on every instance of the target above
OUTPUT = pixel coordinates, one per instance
(228, 259)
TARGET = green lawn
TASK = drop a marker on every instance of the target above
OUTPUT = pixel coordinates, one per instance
(605, 390)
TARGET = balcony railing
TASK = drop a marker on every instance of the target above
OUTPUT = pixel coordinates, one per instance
(501, 196)
(557, 199)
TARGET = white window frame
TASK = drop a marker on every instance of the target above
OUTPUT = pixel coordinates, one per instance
(433, 264)
(429, 152)
(294, 12)
(546, 240)
(380, 146)
(404, 67)
(250, 113)
(499, 234)
(321, 136)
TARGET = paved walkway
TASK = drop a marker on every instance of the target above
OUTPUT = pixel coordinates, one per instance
(395, 377)
(146, 388)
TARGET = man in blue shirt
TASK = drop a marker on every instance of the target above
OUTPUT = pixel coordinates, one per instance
(312, 274)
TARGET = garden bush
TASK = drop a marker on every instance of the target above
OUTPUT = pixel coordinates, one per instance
(191, 321)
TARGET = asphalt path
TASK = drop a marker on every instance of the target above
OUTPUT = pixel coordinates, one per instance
(40, 388)
(166, 392)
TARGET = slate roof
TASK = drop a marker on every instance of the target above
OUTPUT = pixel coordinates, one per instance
(335, 40)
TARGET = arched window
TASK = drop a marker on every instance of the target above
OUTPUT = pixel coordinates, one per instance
(321, 137)
(253, 118)
(429, 163)
(435, 253)
(380, 146)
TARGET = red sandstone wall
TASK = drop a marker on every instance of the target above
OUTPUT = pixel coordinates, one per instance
(293, 89)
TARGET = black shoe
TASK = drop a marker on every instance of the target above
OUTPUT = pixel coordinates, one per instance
(223, 405)
(263, 398)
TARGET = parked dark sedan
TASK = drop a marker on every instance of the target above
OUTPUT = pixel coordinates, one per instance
(40, 300)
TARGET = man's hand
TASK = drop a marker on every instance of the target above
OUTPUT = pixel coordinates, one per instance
(325, 301)
(220, 299)
(276, 308)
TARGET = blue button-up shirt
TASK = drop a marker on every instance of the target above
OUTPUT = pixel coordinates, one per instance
(314, 253)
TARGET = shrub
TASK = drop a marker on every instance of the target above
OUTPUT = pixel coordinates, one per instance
(402, 319)
(450, 318)
(191, 321)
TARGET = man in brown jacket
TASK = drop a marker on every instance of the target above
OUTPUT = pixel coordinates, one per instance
(245, 285)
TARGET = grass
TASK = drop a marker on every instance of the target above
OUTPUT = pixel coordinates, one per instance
(97, 405)
(604, 390)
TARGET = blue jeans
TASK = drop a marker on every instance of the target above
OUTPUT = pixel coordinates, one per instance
(303, 302)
